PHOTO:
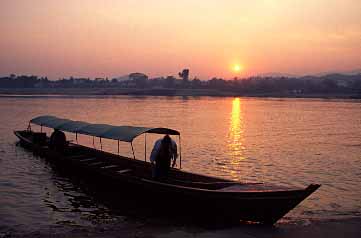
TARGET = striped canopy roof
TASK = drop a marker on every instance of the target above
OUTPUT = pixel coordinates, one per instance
(121, 133)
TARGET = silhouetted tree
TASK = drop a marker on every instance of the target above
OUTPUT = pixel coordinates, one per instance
(217, 83)
(196, 82)
(184, 75)
(169, 82)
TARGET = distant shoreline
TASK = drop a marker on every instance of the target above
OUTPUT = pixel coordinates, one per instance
(90, 92)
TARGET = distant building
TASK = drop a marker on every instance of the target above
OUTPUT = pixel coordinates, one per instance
(139, 79)
(121, 78)
(137, 76)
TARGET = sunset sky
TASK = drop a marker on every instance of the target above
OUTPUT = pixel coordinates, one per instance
(108, 38)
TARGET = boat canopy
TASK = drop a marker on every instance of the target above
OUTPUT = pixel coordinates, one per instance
(121, 133)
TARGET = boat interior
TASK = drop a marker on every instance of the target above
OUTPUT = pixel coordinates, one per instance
(124, 166)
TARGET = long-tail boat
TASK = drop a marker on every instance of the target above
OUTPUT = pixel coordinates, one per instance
(206, 195)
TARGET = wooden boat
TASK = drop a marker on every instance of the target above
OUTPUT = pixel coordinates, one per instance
(198, 194)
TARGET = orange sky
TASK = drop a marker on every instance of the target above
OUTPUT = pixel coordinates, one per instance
(107, 38)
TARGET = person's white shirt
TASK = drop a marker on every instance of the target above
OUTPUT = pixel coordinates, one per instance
(156, 149)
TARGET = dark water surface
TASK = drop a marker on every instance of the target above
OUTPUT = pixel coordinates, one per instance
(282, 141)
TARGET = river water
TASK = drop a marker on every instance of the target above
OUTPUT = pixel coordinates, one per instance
(281, 141)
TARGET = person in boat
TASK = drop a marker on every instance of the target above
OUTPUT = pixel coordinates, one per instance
(57, 141)
(164, 154)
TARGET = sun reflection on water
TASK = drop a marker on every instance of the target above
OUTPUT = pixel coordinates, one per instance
(236, 129)
(236, 138)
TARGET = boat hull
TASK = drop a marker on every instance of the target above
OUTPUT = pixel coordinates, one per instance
(212, 202)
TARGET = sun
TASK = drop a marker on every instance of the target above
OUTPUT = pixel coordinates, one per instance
(237, 68)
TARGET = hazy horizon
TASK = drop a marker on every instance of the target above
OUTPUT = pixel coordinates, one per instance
(212, 38)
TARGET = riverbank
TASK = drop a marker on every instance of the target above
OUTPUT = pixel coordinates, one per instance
(84, 92)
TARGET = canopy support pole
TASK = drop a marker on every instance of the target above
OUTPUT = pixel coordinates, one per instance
(29, 127)
(145, 146)
(76, 137)
(41, 128)
(93, 143)
(101, 146)
(180, 152)
(118, 147)
(131, 143)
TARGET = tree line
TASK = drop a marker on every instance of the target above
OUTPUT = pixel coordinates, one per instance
(332, 83)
